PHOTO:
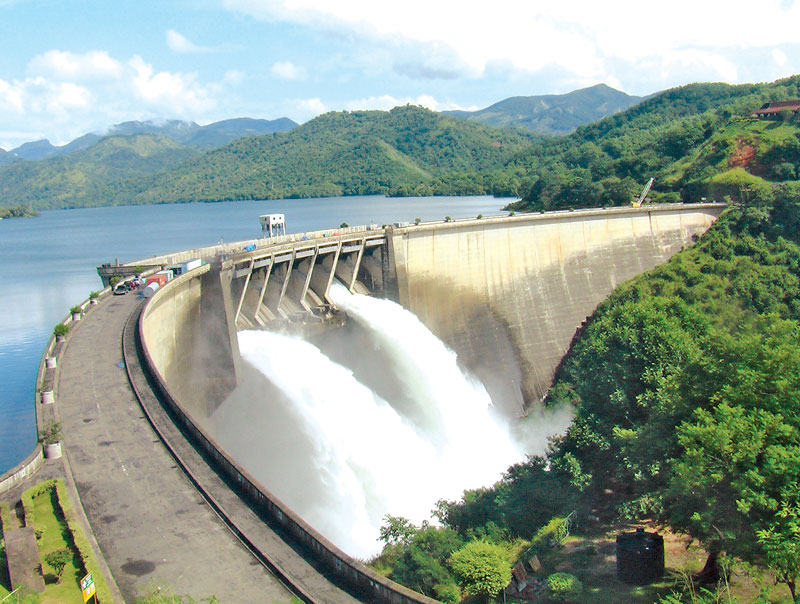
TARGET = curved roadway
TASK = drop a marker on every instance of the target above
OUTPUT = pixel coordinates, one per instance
(153, 527)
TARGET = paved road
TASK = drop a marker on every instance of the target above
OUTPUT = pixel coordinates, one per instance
(153, 527)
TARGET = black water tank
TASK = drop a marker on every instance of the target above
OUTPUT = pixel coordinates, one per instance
(640, 557)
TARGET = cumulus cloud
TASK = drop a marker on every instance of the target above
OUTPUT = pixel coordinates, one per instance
(64, 65)
(287, 70)
(68, 94)
(178, 92)
(779, 57)
(312, 107)
(587, 39)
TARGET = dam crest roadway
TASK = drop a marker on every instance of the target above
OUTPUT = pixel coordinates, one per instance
(507, 294)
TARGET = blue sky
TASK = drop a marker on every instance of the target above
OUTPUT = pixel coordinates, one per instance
(67, 68)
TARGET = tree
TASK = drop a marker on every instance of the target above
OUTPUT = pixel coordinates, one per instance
(417, 557)
(781, 543)
(481, 567)
(396, 529)
(58, 560)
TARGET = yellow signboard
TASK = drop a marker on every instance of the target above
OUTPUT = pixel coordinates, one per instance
(87, 586)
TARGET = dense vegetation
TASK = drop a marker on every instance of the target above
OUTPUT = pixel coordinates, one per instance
(696, 141)
(17, 212)
(405, 151)
(102, 175)
(685, 388)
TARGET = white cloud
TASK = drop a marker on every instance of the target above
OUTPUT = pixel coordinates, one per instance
(177, 92)
(386, 102)
(779, 57)
(177, 42)
(287, 70)
(64, 65)
(68, 94)
(305, 109)
(11, 97)
(584, 38)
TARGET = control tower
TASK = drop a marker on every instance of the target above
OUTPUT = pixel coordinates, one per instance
(272, 225)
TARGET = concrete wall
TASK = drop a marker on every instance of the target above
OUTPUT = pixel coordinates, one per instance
(190, 340)
(508, 294)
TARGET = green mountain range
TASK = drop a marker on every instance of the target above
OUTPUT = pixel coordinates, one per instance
(89, 177)
(696, 141)
(692, 140)
(553, 113)
(408, 150)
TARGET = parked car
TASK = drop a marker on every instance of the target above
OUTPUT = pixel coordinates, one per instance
(120, 290)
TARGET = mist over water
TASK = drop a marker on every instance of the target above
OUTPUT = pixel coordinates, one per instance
(392, 427)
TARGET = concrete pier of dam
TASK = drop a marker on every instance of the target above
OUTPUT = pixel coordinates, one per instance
(507, 294)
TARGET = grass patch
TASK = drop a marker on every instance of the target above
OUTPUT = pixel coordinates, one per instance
(48, 510)
(5, 580)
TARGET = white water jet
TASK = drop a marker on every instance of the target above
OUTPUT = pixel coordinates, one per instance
(352, 456)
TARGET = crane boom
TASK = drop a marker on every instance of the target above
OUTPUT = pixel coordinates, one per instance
(645, 191)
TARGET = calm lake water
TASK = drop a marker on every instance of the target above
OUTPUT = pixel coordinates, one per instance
(48, 264)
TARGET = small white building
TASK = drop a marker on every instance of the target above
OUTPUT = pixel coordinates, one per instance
(272, 225)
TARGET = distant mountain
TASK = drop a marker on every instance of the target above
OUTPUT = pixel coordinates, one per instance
(34, 150)
(553, 113)
(5, 157)
(191, 134)
(406, 151)
(89, 177)
(221, 133)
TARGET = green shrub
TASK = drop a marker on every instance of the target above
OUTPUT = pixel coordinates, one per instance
(61, 330)
(482, 568)
(449, 593)
(76, 310)
(564, 587)
(58, 560)
(93, 295)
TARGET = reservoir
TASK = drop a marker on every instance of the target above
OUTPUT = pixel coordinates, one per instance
(48, 265)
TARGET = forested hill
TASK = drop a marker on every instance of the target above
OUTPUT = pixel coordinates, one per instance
(696, 141)
(91, 177)
(405, 151)
(553, 113)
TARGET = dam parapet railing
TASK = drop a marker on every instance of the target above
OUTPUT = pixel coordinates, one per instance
(45, 391)
(237, 248)
(351, 575)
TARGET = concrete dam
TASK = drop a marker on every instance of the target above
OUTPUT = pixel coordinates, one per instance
(506, 294)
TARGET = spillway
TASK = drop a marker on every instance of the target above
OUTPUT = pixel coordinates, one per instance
(358, 456)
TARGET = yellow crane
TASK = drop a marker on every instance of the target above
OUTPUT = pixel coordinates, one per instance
(638, 203)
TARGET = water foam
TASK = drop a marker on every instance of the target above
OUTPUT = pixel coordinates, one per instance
(371, 456)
